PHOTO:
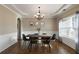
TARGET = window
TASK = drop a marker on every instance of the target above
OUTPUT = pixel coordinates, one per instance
(66, 27)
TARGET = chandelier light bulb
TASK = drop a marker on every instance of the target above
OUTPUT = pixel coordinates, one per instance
(38, 15)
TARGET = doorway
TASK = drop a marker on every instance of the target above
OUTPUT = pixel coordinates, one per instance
(18, 28)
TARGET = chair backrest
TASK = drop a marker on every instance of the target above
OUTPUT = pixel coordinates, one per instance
(53, 37)
(24, 37)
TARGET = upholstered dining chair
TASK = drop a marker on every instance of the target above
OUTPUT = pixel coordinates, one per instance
(25, 41)
(48, 41)
(33, 41)
(53, 37)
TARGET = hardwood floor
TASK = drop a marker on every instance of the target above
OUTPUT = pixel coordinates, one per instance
(56, 48)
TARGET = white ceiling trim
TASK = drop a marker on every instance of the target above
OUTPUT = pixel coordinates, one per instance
(60, 8)
(65, 6)
(22, 13)
(10, 9)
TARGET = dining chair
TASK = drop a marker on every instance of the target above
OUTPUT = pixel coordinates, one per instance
(53, 37)
(25, 41)
(48, 41)
(33, 41)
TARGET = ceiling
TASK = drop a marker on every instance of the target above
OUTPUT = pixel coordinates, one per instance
(29, 10)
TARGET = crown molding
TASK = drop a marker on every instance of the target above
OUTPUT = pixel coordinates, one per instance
(61, 10)
(21, 12)
(64, 7)
(10, 9)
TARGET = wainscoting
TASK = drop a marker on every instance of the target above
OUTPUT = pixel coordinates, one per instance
(70, 42)
(7, 40)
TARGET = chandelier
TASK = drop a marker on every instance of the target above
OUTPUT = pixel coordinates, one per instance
(38, 15)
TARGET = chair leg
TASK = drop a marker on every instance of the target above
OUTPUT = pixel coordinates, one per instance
(49, 48)
(30, 47)
(24, 43)
(42, 48)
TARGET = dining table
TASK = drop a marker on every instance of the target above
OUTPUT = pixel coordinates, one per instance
(40, 37)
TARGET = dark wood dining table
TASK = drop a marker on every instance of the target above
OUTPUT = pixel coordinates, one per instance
(38, 36)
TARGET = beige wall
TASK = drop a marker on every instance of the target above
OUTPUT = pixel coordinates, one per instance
(7, 21)
(49, 24)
